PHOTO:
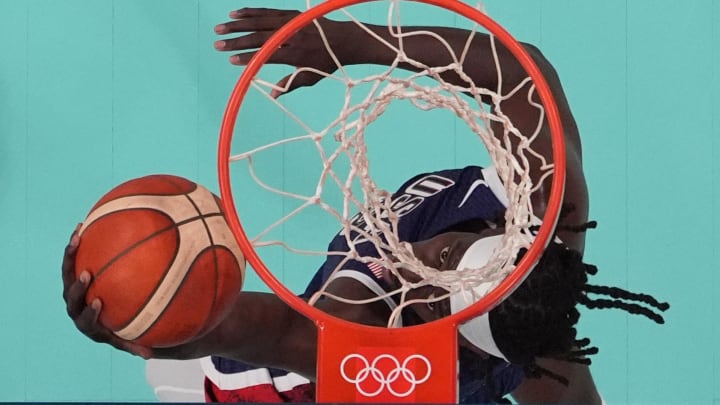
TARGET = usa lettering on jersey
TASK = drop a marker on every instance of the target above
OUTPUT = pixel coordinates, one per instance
(405, 202)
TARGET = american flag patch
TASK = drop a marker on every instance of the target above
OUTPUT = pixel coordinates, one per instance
(376, 269)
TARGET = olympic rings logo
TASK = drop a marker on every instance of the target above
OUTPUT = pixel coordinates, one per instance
(371, 373)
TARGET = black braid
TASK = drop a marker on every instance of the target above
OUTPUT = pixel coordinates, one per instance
(619, 293)
(520, 323)
(634, 309)
(538, 319)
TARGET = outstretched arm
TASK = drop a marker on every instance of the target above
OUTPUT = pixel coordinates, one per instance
(353, 44)
(260, 329)
(546, 390)
(263, 330)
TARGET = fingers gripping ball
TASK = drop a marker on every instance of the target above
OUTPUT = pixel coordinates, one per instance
(164, 262)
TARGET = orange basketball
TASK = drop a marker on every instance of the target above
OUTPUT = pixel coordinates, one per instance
(164, 262)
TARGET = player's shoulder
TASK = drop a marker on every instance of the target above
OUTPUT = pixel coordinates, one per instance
(455, 172)
(431, 182)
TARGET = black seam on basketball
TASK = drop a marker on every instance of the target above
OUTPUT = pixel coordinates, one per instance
(180, 285)
(212, 243)
(154, 234)
(102, 269)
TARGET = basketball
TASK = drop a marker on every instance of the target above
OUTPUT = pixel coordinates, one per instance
(163, 260)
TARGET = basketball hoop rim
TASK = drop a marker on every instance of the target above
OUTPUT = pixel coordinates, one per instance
(549, 220)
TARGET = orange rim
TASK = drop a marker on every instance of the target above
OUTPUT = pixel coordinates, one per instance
(549, 220)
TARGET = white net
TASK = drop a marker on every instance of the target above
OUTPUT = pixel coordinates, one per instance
(348, 194)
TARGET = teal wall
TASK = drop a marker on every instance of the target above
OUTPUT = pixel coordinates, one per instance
(93, 92)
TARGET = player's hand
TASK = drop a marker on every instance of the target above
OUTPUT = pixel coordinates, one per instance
(304, 49)
(86, 316)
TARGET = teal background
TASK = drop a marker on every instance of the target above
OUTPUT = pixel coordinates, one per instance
(94, 92)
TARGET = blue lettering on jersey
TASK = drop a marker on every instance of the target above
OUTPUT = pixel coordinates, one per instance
(411, 198)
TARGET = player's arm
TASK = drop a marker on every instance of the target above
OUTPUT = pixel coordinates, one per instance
(546, 390)
(260, 329)
(353, 45)
(263, 330)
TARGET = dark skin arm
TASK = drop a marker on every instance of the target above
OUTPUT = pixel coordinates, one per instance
(260, 329)
(352, 45)
(545, 390)
(349, 44)
(263, 330)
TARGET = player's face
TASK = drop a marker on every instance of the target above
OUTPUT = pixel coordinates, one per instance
(445, 250)
(442, 252)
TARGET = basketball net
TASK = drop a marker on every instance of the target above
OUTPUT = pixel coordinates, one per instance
(397, 364)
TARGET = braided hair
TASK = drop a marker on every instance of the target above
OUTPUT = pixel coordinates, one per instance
(538, 319)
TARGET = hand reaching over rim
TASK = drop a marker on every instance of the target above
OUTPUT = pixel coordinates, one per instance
(305, 49)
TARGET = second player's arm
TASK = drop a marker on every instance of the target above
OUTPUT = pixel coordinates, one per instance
(263, 330)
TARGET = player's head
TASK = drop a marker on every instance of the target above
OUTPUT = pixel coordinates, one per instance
(538, 319)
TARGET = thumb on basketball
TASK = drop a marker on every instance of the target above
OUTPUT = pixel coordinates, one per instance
(112, 339)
